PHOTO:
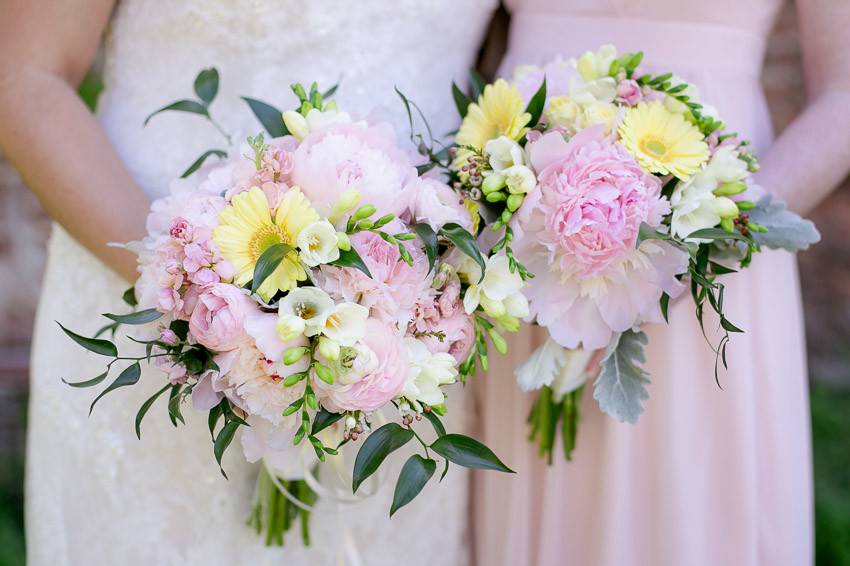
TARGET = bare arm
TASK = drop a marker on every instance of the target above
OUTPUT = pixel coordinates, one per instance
(812, 156)
(50, 136)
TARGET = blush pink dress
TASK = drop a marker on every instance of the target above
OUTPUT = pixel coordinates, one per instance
(708, 476)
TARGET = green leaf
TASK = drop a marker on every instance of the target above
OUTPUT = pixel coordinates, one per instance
(268, 262)
(476, 84)
(376, 448)
(88, 383)
(184, 105)
(206, 84)
(144, 409)
(535, 105)
(200, 161)
(223, 440)
(270, 117)
(180, 328)
(139, 317)
(130, 376)
(96, 345)
(468, 452)
(332, 90)
(435, 422)
(324, 419)
(429, 240)
(350, 258)
(129, 297)
(620, 388)
(716, 234)
(414, 475)
(174, 399)
(465, 242)
(665, 305)
(461, 100)
(213, 418)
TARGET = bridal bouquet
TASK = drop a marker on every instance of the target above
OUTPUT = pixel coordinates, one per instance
(307, 290)
(614, 191)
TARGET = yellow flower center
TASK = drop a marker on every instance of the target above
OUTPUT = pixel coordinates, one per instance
(654, 147)
(333, 321)
(306, 311)
(264, 238)
(314, 244)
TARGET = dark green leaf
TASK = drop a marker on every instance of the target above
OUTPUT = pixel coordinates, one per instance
(268, 262)
(535, 105)
(376, 448)
(476, 84)
(180, 328)
(213, 418)
(324, 419)
(129, 297)
(461, 100)
(96, 345)
(139, 317)
(200, 161)
(331, 91)
(465, 242)
(414, 475)
(144, 409)
(130, 376)
(468, 452)
(111, 328)
(223, 440)
(350, 258)
(191, 106)
(88, 383)
(174, 405)
(720, 269)
(270, 117)
(206, 84)
(429, 240)
(436, 423)
(728, 326)
(717, 234)
(665, 305)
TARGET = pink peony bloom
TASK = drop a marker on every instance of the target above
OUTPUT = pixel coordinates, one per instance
(394, 288)
(577, 232)
(436, 204)
(353, 156)
(218, 318)
(376, 373)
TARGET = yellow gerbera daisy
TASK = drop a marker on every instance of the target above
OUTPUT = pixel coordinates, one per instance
(498, 112)
(663, 141)
(246, 229)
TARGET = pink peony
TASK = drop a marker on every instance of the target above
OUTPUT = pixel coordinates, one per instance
(394, 288)
(353, 156)
(218, 318)
(577, 233)
(372, 373)
(436, 204)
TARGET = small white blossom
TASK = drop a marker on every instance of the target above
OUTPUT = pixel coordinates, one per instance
(317, 244)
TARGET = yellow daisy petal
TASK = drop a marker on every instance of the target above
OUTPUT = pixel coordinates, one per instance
(498, 112)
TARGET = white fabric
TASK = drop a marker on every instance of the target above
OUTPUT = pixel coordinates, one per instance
(95, 494)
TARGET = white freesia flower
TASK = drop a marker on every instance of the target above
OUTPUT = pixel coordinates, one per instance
(593, 66)
(516, 305)
(309, 304)
(346, 323)
(519, 179)
(428, 372)
(317, 243)
(551, 364)
(503, 153)
(301, 126)
(329, 348)
(498, 287)
(726, 166)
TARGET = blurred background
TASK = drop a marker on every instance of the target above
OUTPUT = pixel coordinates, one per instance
(825, 272)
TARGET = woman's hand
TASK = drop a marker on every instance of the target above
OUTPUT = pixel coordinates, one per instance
(50, 136)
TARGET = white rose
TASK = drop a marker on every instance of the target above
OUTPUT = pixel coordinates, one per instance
(317, 243)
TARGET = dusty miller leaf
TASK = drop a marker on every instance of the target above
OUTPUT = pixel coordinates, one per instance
(785, 229)
(620, 388)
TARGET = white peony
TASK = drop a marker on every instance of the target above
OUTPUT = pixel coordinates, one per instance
(317, 243)
(428, 372)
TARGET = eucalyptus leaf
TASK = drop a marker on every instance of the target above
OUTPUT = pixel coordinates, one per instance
(185, 105)
(429, 240)
(378, 445)
(414, 475)
(87, 383)
(536, 104)
(462, 101)
(268, 262)
(324, 419)
(785, 229)
(620, 388)
(206, 84)
(139, 317)
(200, 161)
(145, 408)
(270, 117)
(468, 452)
(465, 242)
(96, 345)
(350, 258)
(130, 376)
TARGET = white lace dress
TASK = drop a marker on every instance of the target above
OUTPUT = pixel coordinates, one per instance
(95, 494)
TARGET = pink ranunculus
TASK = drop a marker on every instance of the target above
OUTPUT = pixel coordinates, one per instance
(353, 156)
(377, 369)
(218, 318)
(577, 233)
(436, 204)
(629, 92)
(394, 288)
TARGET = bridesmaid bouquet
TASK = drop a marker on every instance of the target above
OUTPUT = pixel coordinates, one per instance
(614, 191)
(309, 291)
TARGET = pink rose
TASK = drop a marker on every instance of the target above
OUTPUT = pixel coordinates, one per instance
(377, 370)
(629, 92)
(353, 156)
(436, 204)
(218, 318)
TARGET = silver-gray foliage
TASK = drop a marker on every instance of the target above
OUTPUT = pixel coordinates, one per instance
(785, 229)
(620, 388)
